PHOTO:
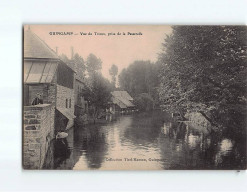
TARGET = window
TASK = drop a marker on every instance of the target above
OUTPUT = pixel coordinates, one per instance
(36, 72)
(66, 103)
(69, 103)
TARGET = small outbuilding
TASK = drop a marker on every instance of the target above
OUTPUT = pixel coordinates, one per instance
(121, 102)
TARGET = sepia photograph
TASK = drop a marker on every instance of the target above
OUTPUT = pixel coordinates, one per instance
(134, 97)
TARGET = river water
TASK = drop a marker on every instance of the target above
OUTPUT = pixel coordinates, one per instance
(144, 141)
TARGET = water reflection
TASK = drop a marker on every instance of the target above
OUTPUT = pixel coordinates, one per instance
(164, 143)
(225, 147)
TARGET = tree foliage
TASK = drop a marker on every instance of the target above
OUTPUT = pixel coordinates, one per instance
(97, 93)
(113, 71)
(93, 64)
(79, 65)
(204, 69)
(140, 77)
(98, 88)
(144, 102)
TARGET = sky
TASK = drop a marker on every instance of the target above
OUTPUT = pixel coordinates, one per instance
(118, 49)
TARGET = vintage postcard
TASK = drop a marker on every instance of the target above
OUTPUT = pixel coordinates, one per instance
(134, 97)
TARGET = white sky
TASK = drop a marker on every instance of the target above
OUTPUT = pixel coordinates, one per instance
(121, 50)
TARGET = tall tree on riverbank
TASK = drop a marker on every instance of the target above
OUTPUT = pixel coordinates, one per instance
(113, 72)
(140, 77)
(97, 93)
(93, 64)
(98, 88)
(204, 69)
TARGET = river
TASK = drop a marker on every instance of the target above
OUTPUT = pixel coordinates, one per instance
(144, 141)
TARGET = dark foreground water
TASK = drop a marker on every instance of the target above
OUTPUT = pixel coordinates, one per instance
(146, 141)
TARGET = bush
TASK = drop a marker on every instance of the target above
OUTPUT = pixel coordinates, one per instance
(144, 102)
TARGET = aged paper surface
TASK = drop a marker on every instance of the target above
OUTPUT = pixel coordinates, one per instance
(134, 97)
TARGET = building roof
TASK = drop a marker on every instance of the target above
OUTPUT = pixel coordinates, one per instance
(66, 113)
(123, 94)
(126, 102)
(122, 99)
(118, 102)
(40, 61)
(34, 47)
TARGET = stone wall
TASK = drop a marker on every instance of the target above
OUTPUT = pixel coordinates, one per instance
(64, 93)
(38, 131)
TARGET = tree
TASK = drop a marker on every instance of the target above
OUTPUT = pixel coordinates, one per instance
(144, 102)
(93, 64)
(123, 79)
(113, 72)
(140, 77)
(202, 71)
(79, 66)
(98, 88)
(97, 93)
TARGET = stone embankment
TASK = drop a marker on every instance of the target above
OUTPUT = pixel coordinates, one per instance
(38, 131)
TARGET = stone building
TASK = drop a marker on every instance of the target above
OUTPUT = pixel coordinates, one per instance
(53, 80)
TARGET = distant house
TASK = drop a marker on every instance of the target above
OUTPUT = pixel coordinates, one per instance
(47, 75)
(121, 102)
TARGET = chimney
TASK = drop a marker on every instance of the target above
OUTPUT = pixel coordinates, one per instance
(72, 53)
